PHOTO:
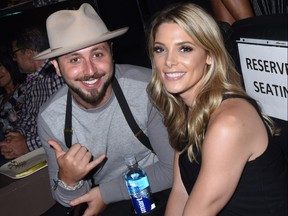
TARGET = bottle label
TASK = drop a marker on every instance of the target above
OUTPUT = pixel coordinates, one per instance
(140, 194)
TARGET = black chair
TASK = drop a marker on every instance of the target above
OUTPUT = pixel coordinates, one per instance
(268, 27)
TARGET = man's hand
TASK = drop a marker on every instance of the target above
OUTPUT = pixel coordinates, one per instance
(94, 201)
(74, 164)
(14, 145)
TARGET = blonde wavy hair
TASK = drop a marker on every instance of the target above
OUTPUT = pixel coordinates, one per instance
(186, 124)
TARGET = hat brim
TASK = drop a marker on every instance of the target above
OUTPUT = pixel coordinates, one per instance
(51, 53)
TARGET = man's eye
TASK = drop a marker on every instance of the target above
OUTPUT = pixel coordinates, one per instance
(185, 49)
(158, 49)
(74, 60)
(97, 54)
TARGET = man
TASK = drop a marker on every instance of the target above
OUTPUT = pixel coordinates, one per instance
(81, 52)
(41, 83)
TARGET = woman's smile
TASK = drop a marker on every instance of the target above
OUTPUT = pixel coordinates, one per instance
(174, 75)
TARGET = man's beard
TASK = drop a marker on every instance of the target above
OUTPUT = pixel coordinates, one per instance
(95, 96)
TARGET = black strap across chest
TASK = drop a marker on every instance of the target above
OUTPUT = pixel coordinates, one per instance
(68, 121)
(68, 131)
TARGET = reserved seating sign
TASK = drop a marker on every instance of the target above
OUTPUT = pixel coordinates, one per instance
(264, 68)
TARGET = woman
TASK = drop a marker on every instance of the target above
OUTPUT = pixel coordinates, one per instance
(12, 96)
(225, 160)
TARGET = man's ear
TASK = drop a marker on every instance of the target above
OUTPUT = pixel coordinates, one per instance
(54, 62)
(30, 53)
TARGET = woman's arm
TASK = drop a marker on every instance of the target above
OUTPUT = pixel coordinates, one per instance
(230, 11)
(239, 9)
(235, 135)
(178, 196)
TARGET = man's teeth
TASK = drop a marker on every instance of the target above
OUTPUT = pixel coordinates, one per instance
(90, 82)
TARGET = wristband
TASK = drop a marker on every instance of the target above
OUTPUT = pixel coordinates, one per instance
(68, 187)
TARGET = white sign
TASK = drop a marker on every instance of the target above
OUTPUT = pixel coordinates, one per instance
(265, 72)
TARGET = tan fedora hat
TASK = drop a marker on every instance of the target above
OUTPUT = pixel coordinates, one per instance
(71, 30)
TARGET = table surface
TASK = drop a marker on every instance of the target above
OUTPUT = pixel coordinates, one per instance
(5, 181)
(30, 195)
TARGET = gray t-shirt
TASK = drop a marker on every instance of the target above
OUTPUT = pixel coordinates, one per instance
(105, 130)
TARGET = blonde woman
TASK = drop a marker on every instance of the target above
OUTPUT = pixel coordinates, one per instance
(226, 161)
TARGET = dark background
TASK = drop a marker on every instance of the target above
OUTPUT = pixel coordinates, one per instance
(129, 48)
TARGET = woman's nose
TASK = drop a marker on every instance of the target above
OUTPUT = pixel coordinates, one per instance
(171, 60)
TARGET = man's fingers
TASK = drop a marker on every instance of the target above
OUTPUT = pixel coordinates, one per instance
(6, 149)
(97, 161)
(79, 200)
(57, 148)
(12, 134)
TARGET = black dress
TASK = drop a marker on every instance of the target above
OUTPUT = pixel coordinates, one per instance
(262, 189)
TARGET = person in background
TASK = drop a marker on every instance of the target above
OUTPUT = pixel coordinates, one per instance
(226, 159)
(268, 7)
(12, 98)
(41, 82)
(84, 59)
(229, 11)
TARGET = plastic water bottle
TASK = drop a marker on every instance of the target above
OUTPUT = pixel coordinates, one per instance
(138, 186)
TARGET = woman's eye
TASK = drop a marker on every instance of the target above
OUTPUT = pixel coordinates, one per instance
(185, 49)
(158, 49)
